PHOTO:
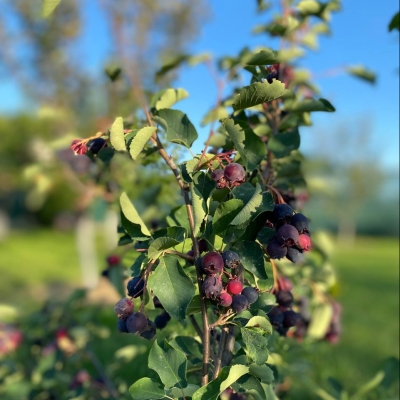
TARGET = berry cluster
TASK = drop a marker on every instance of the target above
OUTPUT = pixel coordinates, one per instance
(226, 292)
(232, 175)
(292, 237)
(130, 321)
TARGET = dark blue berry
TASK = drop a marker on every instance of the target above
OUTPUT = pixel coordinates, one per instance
(295, 255)
(251, 294)
(275, 250)
(239, 303)
(96, 145)
(291, 318)
(283, 212)
(121, 324)
(287, 235)
(136, 323)
(284, 298)
(231, 259)
(300, 222)
(135, 287)
(162, 320)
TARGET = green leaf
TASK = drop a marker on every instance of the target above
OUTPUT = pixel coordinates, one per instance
(141, 138)
(309, 7)
(146, 389)
(106, 154)
(172, 286)
(216, 114)
(251, 257)
(250, 146)
(286, 55)
(283, 143)
(226, 378)
(265, 235)
(167, 98)
(194, 306)
(258, 93)
(178, 233)
(131, 220)
(262, 372)
(117, 138)
(178, 216)
(138, 263)
(251, 209)
(188, 391)
(199, 207)
(225, 214)
(188, 345)
(264, 57)
(113, 72)
(179, 59)
(169, 363)
(308, 105)
(259, 322)
(158, 246)
(256, 345)
(48, 6)
(360, 72)
(394, 23)
(320, 320)
(252, 386)
(204, 184)
(179, 128)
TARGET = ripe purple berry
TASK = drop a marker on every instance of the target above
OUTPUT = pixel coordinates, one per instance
(251, 294)
(295, 255)
(135, 287)
(96, 145)
(239, 303)
(162, 320)
(203, 246)
(231, 259)
(212, 263)
(275, 250)
(276, 316)
(136, 323)
(157, 303)
(150, 330)
(283, 213)
(219, 177)
(284, 298)
(291, 318)
(212, 286)
(121, 324)
(300, 222)
(124, 308)
(235, 174)
(287, 235)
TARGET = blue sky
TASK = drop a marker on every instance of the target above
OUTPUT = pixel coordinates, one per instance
(359, 36)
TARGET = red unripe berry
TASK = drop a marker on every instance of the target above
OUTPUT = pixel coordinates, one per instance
(304, 242)
(113, 259)
(225, 299)
(234, 286)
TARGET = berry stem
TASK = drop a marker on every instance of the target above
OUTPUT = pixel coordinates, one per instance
(181, 255)
(218, 361)
(170, 162)
(145, 278)
(275, 274)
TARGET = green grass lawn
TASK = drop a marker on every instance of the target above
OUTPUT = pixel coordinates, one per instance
(33, 262)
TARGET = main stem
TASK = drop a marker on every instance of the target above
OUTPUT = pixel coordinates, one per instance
(206, 334)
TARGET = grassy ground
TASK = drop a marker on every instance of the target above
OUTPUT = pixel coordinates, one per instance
(33, 265)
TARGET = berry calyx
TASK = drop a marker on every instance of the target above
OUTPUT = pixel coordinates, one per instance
(135, 287)
(239, 303)
(136, 323)
(251, 294)
(212, 286)
(212, 263)
(304, 242)
(275, 250)
(287, 235)
(235, 174)
(124, 308)
(234, 286)
(219, 177)
(225, 299)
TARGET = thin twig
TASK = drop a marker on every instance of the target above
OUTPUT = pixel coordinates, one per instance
(218, 362)
(196, 326)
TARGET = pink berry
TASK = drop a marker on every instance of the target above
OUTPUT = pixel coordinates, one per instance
(234, 286)
(225, 299)
(304, 242)
(113, 260)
